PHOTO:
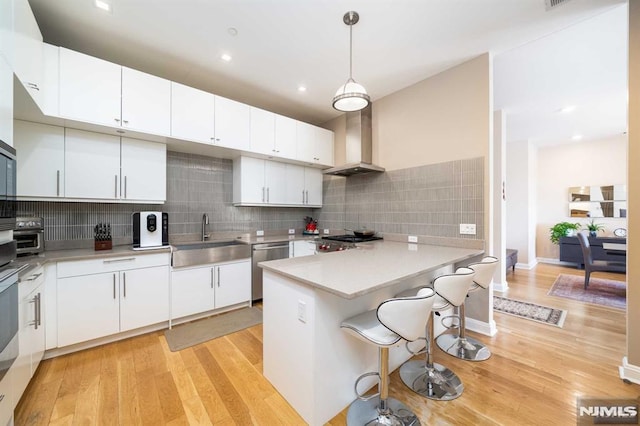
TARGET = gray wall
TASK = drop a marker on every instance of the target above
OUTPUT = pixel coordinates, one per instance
(429, 200)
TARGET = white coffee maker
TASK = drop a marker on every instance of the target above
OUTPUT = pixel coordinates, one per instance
(150, 230)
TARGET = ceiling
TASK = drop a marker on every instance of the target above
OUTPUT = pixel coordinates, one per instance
(281, 44)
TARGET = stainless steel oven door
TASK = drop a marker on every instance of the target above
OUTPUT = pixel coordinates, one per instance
(8, 322)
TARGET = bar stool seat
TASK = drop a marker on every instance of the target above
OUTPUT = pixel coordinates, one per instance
(394, 320)
(427, 378)
(460, 345)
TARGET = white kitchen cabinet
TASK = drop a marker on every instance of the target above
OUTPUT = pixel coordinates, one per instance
(300, 248)
(304, 186)
(144, 297)
(232, 124)
(204, 288)
(146, 102)
(28, 53)
(232, 283)
(272, 134)
(100, 297)
(88, 307)
(40, 167)
(6, 32)
(92, 165)
(6, 398)
(50, 98)
(31, 330)
(192, 114)
(90, 88)
(101, 92)
(275, 182)
(6, 102)
(314, 144)
(143, 170)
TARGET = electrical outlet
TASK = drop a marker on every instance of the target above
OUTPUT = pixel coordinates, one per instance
(292, 231)
(468, 228)
(260, 233)
(326, 232)
(413, 239)
(302, 311)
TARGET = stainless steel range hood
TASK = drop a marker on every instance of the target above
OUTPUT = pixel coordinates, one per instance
(359, 146)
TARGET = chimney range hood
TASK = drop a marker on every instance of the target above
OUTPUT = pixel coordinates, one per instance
(358, 145)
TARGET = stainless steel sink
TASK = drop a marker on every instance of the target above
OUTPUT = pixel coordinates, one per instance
(205, 252)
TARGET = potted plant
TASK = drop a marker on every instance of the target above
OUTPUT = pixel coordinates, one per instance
(563, 229)
(594, 228)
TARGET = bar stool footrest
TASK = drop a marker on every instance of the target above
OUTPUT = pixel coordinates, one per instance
(367, 397)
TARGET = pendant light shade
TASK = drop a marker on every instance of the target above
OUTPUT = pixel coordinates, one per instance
(351, 96)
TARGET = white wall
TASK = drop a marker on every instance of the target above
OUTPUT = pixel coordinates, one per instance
(521, 201)
(600, 162)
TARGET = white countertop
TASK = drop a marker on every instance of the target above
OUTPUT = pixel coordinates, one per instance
(369, 267)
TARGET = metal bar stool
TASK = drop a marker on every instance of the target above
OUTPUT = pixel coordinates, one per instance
(459, 345)
(428, 378)
(394, 319)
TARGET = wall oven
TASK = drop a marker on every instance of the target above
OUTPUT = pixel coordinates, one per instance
(7, 187)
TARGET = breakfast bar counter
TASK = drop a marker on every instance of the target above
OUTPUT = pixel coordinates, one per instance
(307, 357)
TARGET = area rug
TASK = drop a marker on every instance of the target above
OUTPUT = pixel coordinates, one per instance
(193, 333)
(530, 311)
(600, 291)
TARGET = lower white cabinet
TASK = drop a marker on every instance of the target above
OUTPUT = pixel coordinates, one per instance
(204, 288)
(100, 304)
(6, 398)
(31, 329)
(302, 248)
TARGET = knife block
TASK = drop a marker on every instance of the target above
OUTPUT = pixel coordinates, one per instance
(103, 245)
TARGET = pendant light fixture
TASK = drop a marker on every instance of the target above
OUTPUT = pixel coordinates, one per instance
(351, 96)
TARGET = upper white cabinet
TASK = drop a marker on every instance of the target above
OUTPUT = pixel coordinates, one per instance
(143, 170)
(6, 30)
(101, 92)
(49, 101)
(28, 53)
(6, 102)
(265, 182)
(92, 162)
(232, 124)
(40, 154)
(314, 144)
(192, 114)
(273, 134)
(54, 162)
(90, 88)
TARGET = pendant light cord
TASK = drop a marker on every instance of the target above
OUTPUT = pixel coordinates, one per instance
(351, 52)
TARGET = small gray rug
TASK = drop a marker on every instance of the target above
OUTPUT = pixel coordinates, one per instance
(193, 333)
(530, 311)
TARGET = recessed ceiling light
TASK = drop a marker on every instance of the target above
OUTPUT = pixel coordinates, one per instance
(232, 31)
(226, 57)
(101, 4)
(302, 89)
(576, 137)
(568, 108)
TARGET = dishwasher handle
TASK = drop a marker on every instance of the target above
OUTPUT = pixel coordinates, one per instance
(270, 247)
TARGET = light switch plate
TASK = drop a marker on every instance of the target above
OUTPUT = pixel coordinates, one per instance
(326, 232)
(302, 311)
(260, 233)
(292, 231)
(412, 239)
(468, 228)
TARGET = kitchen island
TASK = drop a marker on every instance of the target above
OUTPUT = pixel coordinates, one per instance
(307, 357)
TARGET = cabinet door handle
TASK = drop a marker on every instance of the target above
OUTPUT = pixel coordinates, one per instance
(114, 286)
(218, 277)
(267, 194)
(303, 196)
(263, 194)
(125, 259)
(115, 186)
(58, 183)
(35, 311)
(307, 192)
(38, 310)
(117, 120)
(125, 121)
(124, 284)
(125, 187)
(211, 277)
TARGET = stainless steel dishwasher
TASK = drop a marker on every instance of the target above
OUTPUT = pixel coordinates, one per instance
(261, 253)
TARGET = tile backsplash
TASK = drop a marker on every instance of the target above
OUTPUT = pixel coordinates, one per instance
(429, 200)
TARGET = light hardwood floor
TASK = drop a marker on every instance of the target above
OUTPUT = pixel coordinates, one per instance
(533, 377)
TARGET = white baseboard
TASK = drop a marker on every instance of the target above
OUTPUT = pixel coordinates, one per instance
(488, 329)
(554, 261)
(629, 372)
(527, 266)
(501, 287)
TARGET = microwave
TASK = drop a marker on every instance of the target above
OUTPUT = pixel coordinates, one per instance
(7, 187)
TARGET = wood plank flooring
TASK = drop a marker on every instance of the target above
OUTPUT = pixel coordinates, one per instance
(533, 377)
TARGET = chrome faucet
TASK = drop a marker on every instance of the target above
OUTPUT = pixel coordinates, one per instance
(205, 222)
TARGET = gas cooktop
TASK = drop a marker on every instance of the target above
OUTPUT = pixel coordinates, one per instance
(350, 238)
